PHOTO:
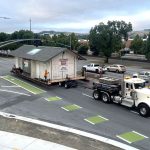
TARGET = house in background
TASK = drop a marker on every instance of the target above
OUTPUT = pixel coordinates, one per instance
(60, 63)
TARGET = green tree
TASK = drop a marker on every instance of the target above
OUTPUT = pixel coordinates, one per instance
(120, 28)
(22, 34)
(4, 37)
(82, 49)
(148, 47)
(107, 38)
(137, 45)
(74, 41)
(93, 41)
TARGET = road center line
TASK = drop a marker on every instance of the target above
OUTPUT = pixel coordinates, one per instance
(87, 95)
(14, 92)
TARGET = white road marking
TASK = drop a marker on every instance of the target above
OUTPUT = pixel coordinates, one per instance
(77, 106)
(65, 109)
(89, 121)
(134, 112)
(10, 86)
(87, 95)
(14, 92)
(58, 97)
(123, 139)
(103, 117)
(46, 99)
(140, 134)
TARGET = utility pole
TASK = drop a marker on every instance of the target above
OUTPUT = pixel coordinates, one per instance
(70, 41)
(30, 24)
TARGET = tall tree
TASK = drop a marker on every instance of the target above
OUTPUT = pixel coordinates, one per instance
(73, 41)
(137, 45)
(121, 28)
(93, 41)
(107, 38)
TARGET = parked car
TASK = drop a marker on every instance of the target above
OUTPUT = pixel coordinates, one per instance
(116, 68)
(93, 68)
(145, 75)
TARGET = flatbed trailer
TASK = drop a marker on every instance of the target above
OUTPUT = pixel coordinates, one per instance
(66, 82)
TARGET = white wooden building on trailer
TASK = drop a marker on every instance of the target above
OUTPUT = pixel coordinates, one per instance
(59, 62)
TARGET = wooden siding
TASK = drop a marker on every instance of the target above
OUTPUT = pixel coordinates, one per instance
(60, 70)
(59, 67)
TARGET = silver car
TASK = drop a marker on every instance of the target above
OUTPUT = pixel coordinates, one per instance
(116, 68)
(145, 75)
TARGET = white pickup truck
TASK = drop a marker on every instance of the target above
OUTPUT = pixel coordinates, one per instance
(93, 67)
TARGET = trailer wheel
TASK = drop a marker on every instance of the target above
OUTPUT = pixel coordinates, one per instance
(105, 97)
(60, 84)
(143, 110)
(66, 86)
(96, 95)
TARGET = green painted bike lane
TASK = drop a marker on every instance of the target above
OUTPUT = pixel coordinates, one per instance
(24, 85)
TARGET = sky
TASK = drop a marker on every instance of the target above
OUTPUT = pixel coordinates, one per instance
(71, 15)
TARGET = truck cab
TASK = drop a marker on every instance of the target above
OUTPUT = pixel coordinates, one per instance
(137, 95)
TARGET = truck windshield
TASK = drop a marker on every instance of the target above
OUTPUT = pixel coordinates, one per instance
(96, 65)
(139, 85)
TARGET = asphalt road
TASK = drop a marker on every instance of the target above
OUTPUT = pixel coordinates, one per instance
(120, 119)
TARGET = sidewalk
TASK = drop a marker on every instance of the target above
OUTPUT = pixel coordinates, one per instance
(11, 141)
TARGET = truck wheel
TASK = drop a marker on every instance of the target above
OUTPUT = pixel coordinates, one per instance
(143, 110)
(96, 95)
(105, 97)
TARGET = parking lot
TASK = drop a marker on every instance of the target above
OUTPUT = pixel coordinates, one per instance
(73, 107)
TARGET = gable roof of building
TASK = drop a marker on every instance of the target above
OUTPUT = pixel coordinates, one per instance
(40, 53)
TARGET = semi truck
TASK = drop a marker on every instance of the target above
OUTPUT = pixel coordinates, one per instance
(130, 92)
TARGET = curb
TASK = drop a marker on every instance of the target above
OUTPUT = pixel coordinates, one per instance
(70, 130)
